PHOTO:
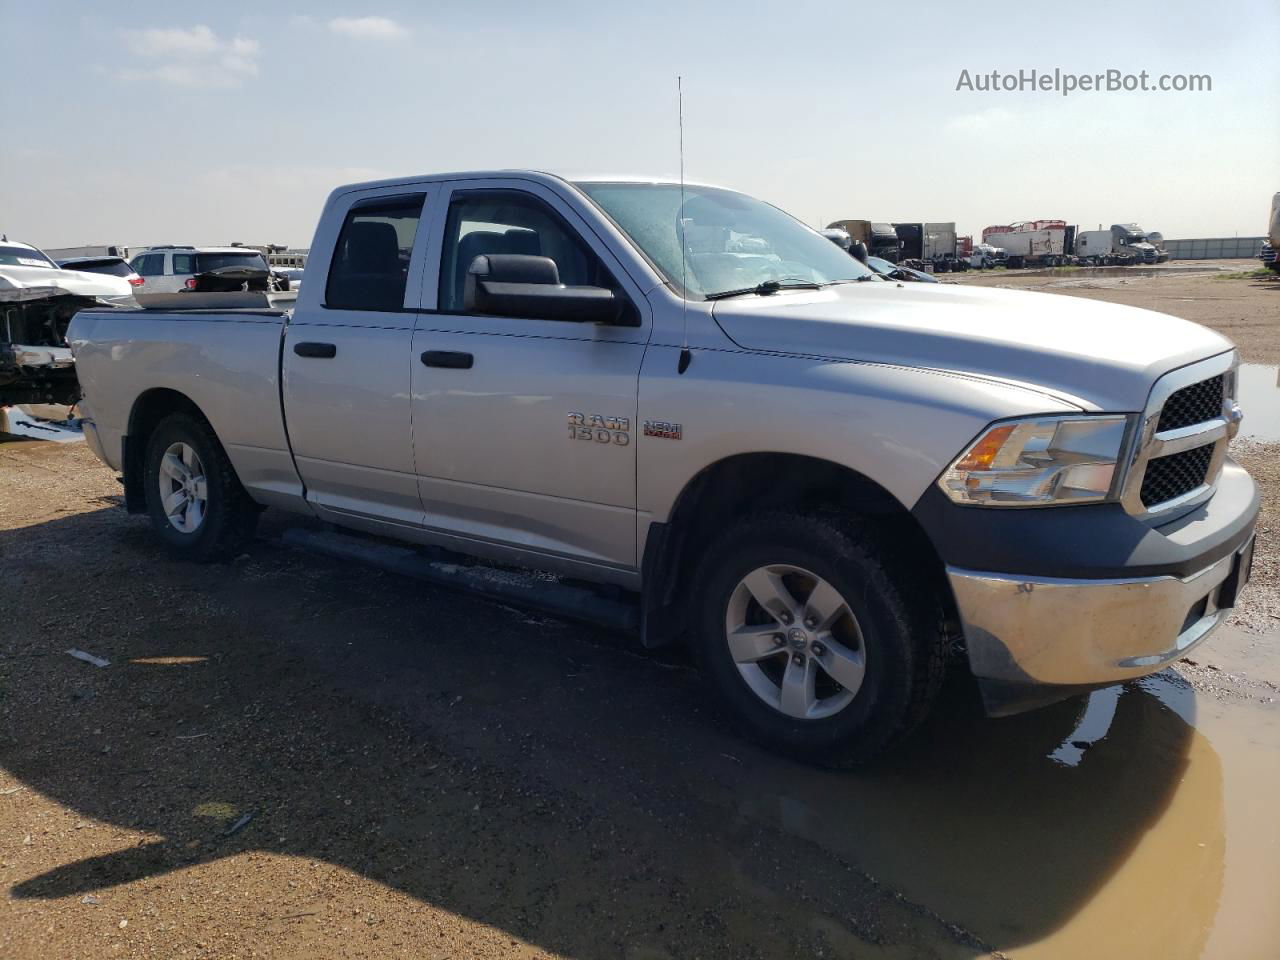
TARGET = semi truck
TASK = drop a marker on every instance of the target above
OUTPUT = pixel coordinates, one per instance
(825, 484)
(1269, 249)
(1033, 243)
(1124, 244)
(880, 238)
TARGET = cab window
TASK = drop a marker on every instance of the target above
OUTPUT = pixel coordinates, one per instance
(370, 268)
(483, 222)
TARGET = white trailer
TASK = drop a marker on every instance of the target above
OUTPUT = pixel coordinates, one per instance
(1033, 243)
(938, 240)
(99, 250)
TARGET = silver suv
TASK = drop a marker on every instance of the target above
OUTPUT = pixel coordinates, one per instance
(171, 268)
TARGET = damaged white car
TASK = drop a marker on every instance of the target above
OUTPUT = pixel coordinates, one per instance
(37, 301)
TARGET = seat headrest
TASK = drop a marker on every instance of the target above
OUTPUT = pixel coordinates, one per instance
(372, 247)
(520, 240)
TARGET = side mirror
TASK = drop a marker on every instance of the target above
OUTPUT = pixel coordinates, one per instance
(519, 285)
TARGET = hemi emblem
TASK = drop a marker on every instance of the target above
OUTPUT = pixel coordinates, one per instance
(660, 428)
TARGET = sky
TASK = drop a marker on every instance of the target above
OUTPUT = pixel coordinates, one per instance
(210, 123)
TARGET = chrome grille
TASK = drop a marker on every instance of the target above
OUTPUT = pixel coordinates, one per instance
(1175, 475)
(1182, 438)
(1197, 403)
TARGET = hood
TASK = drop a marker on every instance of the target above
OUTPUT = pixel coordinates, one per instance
(39, 283)
(1094, 354)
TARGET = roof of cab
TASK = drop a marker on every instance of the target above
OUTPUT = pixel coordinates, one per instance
(540, 176)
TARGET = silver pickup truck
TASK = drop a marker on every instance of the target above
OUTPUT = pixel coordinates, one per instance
(828, 484)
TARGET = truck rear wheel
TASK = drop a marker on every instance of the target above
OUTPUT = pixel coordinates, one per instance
(805, 633)
(196, 503)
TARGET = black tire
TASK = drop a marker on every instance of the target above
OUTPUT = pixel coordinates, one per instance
(904, 646)
(230, 515)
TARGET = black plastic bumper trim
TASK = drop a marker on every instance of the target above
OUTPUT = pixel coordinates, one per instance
(1092, 541)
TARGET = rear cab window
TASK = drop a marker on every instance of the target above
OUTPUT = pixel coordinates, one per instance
(370, 267)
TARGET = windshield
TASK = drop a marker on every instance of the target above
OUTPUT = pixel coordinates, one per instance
(732, 241)
(24, 257)
(881, 266)
(216, 261)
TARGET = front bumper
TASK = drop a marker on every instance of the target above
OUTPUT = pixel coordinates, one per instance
(1061, 600)
(1035, 641)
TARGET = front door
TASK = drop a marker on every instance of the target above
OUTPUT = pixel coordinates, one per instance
(347, 369)
(524, 428)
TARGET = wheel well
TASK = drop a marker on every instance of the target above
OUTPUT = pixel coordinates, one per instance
(741, 485)
(148, 410)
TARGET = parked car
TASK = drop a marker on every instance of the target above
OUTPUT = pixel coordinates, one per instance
(37, 301)
(112, 266)
(292, 274)
(171, 268)
(894, 271)
(682, 392)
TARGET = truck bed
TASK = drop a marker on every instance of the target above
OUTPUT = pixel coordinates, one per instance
(227, 362)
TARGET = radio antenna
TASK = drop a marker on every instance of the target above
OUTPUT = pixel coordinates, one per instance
(685, 356)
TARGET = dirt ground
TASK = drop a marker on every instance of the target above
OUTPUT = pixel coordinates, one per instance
(289, 756)
(1244, 308)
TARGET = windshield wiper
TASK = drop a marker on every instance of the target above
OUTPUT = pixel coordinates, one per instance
(869, 276)
(768, 287)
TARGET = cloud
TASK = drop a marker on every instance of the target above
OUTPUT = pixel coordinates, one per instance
(981, 121)
(191, 57)
(381, 28)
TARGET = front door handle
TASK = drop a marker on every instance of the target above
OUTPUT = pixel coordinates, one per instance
(451, 359)
(324, 351)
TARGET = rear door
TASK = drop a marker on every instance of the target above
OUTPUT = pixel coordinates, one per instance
(182, 268)
(525, 429)
(150, 267)
(347, 362)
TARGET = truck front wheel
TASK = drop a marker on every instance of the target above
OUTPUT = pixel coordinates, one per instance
(809, 639)
(196, 503)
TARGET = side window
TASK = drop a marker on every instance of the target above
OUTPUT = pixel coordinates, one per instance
(507, 221)
(151, 265)
(370, 267)
(184, 263)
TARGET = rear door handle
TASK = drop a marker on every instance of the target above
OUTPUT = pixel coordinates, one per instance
(451, 359)
(324, 351)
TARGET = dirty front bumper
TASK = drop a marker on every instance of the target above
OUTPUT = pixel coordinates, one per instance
(1071, 599)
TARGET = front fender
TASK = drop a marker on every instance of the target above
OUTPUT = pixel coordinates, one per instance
(897, 426)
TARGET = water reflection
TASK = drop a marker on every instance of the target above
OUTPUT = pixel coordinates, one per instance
(1259, 393)
(1050, 846)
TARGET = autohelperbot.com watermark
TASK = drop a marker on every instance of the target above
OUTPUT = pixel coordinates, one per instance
(1066, 83)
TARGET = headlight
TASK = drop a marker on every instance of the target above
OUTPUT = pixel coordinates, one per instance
(1039, 461)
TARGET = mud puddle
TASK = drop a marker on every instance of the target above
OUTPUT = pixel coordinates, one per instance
(1259, 393)
(14, 422)
(1139, 822)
